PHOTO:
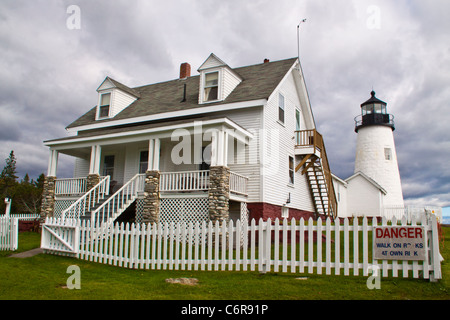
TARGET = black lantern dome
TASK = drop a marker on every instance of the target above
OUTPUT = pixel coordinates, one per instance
(373, 112)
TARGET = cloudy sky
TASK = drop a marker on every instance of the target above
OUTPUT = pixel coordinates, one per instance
(51, 63)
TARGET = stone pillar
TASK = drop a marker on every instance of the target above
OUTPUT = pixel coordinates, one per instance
(219, 193)
(48, 198)
(150, 212)
(92, 180)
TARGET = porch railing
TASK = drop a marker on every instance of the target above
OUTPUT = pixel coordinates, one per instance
(238, 183)
(198, 181)
(87, 201)
(70, 186)
(308, 138)
(119, 201)
(184, 181)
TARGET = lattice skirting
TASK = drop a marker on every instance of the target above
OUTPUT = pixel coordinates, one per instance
(61, 205)
(185, 210)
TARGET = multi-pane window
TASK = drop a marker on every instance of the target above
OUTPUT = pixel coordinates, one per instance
(281, 108)
(105, 101)
(291, 170)
(211, 92)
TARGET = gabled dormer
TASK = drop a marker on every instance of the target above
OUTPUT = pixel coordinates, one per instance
(217, 80)
(113, 97)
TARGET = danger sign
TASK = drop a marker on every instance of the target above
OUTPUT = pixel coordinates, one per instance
(399, 243)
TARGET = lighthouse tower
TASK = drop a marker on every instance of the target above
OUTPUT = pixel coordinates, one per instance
(375, 149)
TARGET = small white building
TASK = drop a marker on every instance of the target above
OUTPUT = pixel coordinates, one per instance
(227, 143)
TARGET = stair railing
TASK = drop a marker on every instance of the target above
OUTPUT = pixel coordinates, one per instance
(332, 201)
(315, 139)
(119, 201)
(88, 200)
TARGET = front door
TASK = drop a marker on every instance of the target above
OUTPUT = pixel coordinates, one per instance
(108, 166)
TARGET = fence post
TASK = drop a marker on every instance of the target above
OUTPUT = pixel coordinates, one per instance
(8, 207)
(264, 245)
(435, 255)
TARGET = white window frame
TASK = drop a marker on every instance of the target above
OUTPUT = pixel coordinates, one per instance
(298, 123)
(387, 154)
(281, 106)
(204, 86)
(291, 183)
(99, 116)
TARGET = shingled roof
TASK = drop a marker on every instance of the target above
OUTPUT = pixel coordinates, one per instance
(259, 81)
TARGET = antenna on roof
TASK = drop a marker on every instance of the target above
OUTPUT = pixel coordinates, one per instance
(298, 38)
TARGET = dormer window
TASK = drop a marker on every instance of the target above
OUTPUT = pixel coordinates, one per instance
(217, 80)
(113, 97)
(105, 101)
(211, 92)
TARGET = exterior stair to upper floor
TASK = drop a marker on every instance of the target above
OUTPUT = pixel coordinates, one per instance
(314, 161)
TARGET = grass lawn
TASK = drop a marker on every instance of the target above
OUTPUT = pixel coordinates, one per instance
(43, 277)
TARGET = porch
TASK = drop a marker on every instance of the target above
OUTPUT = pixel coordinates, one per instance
(148, 165)
(185, 196)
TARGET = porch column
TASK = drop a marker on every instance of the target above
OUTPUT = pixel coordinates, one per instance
(151, 208)
(219, 179)
(93, 177)
(48, 193)
(219, 148)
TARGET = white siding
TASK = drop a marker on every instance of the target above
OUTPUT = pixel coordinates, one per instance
(229, 82)
(119, 101)
(363, 198)
(249, 164)
(106, 85)
(81, 168)
(340, 188)
(276, 177)
(211, 62)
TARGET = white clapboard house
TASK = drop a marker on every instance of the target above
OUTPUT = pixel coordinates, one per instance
(227, 143)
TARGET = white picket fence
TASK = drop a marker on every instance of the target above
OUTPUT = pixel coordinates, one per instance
(9, 233)
(410, 212)
(26, 216)
(320, 247)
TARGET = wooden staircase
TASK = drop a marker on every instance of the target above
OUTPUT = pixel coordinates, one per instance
(113, 206)
(311, 148)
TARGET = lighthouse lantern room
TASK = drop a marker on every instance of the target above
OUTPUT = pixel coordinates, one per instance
(373, 112)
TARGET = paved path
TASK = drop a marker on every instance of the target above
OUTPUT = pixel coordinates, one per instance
(27, 254)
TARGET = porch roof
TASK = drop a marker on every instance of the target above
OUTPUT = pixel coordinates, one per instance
(161, 129)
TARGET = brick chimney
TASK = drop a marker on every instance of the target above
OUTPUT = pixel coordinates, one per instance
(185, 70)
(266, 60)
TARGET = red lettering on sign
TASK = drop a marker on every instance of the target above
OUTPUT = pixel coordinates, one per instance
(402, 232)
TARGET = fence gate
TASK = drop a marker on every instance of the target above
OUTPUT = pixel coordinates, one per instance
(9, 232)
(60, 237)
